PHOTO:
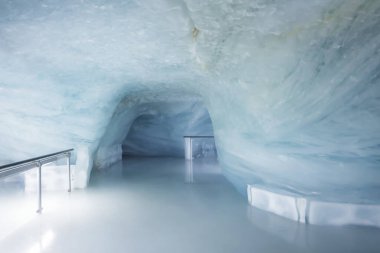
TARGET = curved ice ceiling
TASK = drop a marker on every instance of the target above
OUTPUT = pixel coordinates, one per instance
(292, 87)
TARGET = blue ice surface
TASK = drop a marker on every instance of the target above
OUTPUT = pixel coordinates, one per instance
(292, 88)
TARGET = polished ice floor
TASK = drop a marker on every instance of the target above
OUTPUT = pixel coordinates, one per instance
(161, 205)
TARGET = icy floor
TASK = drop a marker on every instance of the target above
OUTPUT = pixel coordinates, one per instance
(161, 205)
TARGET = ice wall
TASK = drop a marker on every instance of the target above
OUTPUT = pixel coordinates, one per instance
(292, 87)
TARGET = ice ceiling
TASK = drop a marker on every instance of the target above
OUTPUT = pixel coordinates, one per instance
(292, 87)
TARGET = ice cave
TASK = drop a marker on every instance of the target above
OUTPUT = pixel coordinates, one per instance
(189, 126)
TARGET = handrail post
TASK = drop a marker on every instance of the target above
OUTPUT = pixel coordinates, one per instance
(68, 163)
(39, 164)
(32, 163)
(191, 148)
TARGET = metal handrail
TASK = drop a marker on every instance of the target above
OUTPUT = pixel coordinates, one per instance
(198, 136)
(22, 166)
(191, 137)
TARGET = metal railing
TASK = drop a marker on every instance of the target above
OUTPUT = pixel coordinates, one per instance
(36, 162)
(189, 144)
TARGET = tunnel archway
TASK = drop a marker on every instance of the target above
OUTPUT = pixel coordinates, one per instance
(160, 131)
(153, 124)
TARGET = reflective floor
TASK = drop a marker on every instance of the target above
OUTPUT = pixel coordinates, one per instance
(161, 205)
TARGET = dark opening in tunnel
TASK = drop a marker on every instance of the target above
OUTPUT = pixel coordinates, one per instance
(147, 124)
(160, 131)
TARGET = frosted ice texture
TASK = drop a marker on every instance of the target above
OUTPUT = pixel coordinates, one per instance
(292, 87)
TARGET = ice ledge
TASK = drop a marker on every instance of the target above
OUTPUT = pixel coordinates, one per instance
(313, 212)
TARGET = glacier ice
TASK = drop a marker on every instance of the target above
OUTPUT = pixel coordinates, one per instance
(292, 87)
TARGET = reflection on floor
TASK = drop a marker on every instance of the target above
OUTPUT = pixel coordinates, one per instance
(163, 205)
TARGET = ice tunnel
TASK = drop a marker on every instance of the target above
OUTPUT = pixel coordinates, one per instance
(161, 131)
(153, 124)
(289, 89)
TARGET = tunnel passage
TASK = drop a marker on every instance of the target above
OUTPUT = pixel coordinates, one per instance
(160, 132)
(154, 124)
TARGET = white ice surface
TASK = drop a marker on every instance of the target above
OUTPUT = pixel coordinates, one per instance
(149, 206)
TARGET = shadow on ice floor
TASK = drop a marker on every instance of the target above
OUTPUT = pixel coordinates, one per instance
(161, 205)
